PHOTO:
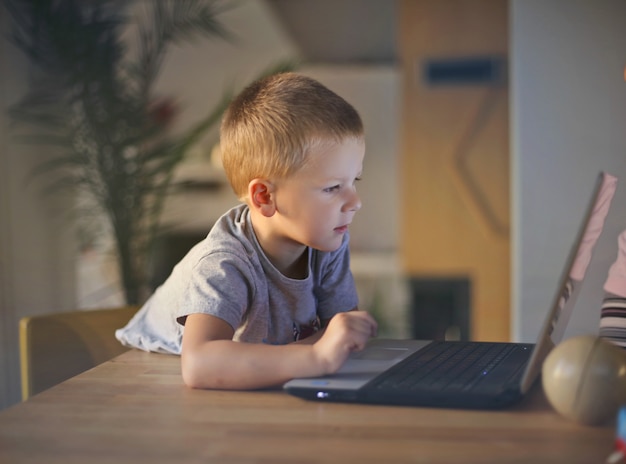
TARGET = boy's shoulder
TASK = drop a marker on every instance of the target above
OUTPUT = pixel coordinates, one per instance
(231, 234)
(232, 226)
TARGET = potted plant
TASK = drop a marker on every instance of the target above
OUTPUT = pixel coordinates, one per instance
(96, 107)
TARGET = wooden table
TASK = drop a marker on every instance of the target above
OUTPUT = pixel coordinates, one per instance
(135, 409)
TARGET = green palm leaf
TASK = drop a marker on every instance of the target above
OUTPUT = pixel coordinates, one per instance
(92, 106)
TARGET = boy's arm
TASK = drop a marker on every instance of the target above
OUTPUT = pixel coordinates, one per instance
(211, 359)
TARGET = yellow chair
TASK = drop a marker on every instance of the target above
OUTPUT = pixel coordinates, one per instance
(55, 347)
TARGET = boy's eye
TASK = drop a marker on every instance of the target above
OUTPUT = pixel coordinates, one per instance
(337, 187)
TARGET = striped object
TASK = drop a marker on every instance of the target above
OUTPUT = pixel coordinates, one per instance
(613, 320)
(613, 315)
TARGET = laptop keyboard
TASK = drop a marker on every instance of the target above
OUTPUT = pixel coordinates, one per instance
(450, 365)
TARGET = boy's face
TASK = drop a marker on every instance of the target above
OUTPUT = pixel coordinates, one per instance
(315, 206)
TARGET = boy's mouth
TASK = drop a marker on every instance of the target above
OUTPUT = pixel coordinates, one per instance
(342, 229)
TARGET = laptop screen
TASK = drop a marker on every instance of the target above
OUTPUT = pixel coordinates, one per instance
(573, 275)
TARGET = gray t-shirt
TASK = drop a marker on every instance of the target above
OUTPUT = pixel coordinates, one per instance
(227, 275)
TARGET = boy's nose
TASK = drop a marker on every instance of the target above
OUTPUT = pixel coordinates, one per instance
(354, 204)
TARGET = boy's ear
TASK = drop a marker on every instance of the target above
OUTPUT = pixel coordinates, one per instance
(261, 194)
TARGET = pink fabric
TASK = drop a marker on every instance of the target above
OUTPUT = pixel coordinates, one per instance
(616, 280)
(594, 227)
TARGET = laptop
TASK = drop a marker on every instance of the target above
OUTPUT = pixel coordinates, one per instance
(463, 374)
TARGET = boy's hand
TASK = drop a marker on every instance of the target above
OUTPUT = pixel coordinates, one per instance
(346, 332)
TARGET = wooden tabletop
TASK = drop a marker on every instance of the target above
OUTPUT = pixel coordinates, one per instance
(135, 409)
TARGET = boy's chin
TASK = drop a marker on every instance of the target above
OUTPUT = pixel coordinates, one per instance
(327, 247)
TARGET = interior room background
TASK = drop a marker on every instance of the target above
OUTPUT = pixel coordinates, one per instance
(565, 97)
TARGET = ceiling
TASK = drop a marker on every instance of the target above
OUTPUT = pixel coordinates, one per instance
(340, 31)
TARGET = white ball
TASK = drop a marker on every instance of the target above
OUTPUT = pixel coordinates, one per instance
(584, 379)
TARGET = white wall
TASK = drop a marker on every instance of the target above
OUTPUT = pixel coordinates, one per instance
(37, 256)
(568, 122)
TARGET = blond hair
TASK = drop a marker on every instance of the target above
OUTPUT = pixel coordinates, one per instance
(270, 128)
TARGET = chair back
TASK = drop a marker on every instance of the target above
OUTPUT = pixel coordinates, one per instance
(57, 346)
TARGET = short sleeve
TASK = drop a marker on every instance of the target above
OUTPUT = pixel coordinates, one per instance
(221, 285)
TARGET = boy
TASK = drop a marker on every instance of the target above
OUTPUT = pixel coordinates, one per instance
(268, 295)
